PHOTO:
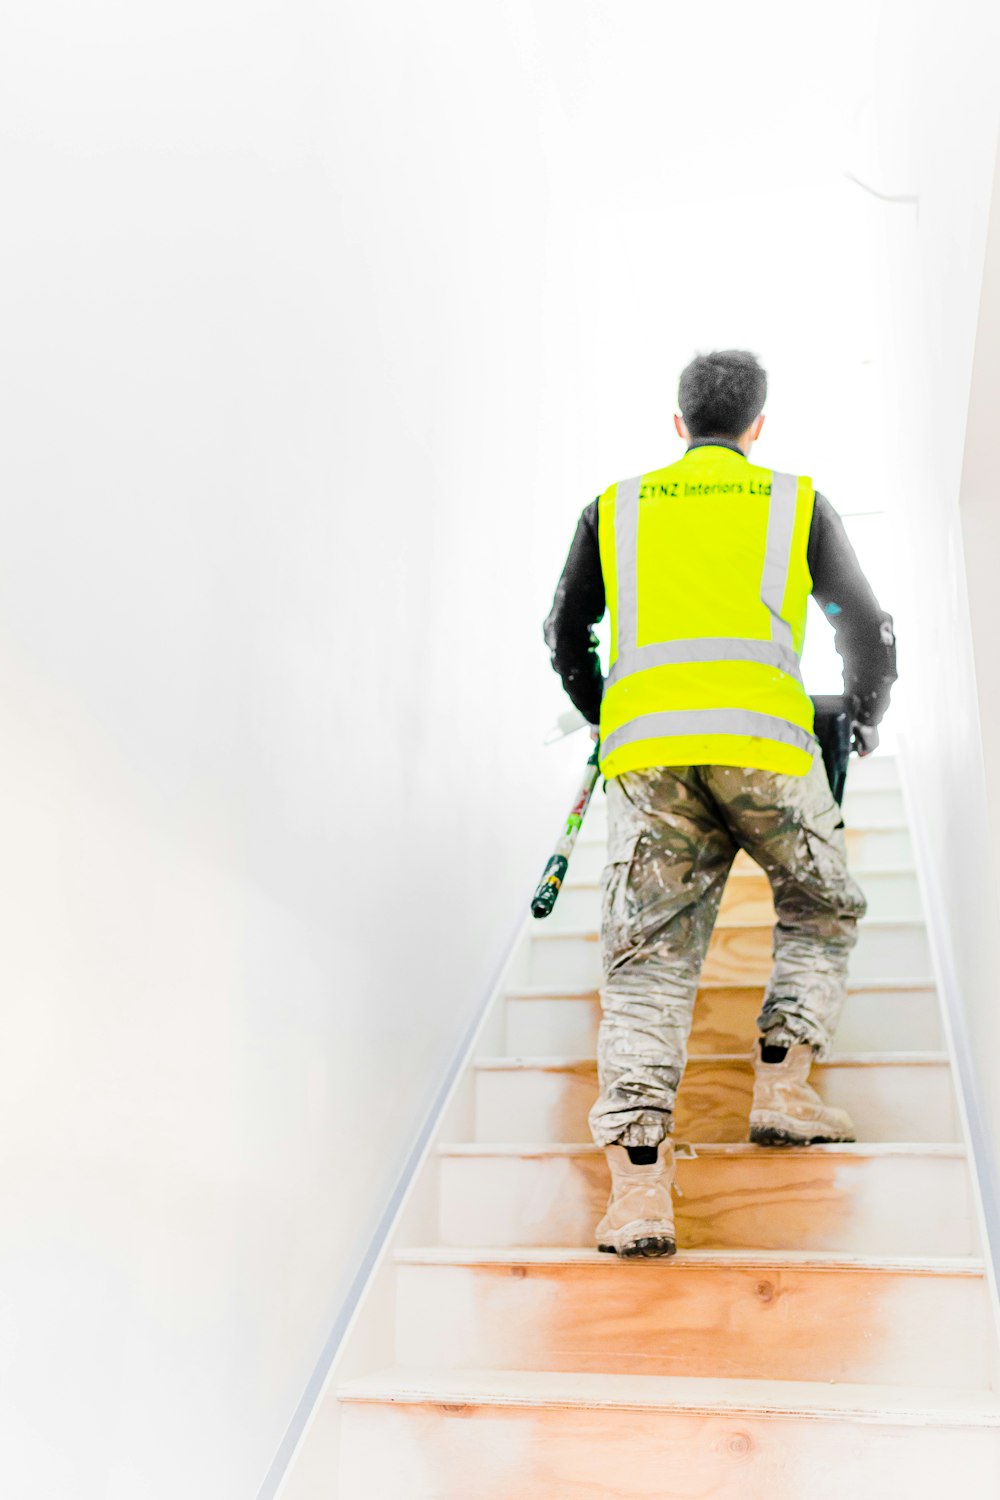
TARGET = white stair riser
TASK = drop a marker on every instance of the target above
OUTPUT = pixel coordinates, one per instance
(874, 808)
(867, 849)
(747, 898)
(906, 1102)
(738, 955)
(875, 1205)
(878, 770)
(772, 1323)
(725, 1021)
(459, 1451)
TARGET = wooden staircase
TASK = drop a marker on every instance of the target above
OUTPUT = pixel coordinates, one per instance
(826, 1329)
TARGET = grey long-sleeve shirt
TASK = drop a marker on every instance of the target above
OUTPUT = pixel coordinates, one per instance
(863, 632)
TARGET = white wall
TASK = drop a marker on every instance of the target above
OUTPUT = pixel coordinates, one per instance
(320, 324)
(271, 664)
(977, 920)
(936, 115)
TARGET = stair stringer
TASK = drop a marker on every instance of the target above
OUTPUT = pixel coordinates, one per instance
(983, 1166)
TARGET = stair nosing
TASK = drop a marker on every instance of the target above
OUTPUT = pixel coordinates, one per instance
(560, 1062)
(767, 1399)
(792, 1260)
(592, 935)
(854, 986)
(589, 835)
(943, 1150)
(739, 872)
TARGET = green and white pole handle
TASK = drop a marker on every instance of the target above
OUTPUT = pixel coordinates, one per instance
(555, 871)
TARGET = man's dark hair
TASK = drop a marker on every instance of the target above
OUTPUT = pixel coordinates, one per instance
(720, 394)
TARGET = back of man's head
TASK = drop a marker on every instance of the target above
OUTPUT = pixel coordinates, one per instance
(721, 394)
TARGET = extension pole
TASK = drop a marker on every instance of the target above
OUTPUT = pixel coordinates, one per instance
(555, 871)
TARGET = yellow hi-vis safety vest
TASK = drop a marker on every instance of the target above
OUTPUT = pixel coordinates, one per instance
(707, 584)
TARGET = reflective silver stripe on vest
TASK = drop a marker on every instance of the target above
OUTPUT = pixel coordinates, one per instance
(627, 548)
(778, 553)
(704, 721)
(705, 648)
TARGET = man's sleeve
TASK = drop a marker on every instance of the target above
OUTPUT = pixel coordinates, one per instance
(862, 630)
(578, 605)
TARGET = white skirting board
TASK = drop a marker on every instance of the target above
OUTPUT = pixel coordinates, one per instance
(305, 1465)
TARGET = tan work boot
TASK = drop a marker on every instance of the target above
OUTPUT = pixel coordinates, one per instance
(786, 1111)
(640, 1216)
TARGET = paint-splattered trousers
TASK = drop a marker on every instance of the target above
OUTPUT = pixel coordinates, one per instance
(673, 833)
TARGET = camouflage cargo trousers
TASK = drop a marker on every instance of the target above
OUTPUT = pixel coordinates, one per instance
(673, 833)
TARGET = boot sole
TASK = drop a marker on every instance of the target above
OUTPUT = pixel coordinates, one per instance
(641, 1247)
(771, 1135)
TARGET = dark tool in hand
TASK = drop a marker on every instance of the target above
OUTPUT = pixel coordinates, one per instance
(555, 871)
(833, 730)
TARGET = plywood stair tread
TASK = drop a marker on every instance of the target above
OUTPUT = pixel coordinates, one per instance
(830, 1401)
(800, 1260)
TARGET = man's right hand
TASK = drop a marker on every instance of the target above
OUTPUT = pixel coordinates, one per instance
(864, 738)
